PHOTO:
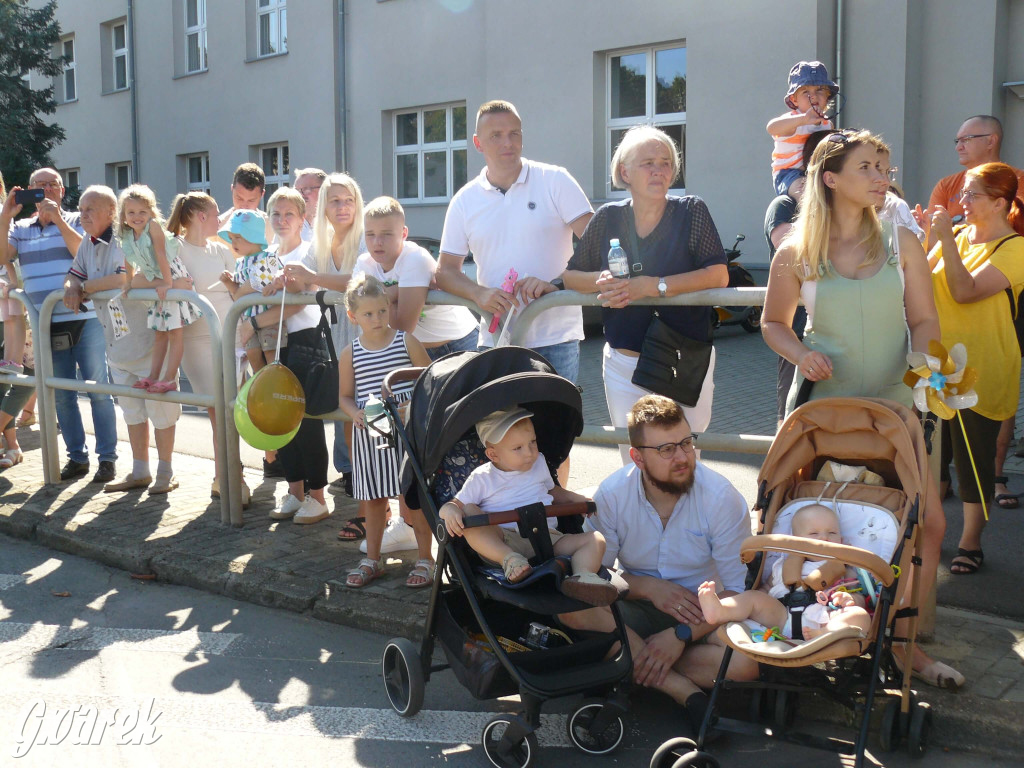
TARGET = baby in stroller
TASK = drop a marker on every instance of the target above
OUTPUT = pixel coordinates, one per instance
(834, 609)
(515, 476)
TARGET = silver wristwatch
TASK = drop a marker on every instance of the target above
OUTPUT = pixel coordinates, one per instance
(662, 287)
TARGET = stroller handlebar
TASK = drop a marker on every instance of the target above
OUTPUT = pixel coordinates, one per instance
(512, 515)
(818, 550)
(398, 376)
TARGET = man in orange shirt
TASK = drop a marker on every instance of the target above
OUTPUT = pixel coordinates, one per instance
(977, 142)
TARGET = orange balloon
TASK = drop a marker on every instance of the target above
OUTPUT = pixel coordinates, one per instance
(276, 402)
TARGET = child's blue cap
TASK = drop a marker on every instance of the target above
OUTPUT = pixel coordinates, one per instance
(808, 73)
(252, 225)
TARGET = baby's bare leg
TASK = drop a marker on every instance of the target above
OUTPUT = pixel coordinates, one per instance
(488, 542)
(753, 604)
(585, 549)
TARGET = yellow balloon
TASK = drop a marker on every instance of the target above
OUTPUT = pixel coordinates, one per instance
(276, 402)
(249, 433)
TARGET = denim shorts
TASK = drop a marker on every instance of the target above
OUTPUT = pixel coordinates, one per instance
(466, 344)
(564, 358)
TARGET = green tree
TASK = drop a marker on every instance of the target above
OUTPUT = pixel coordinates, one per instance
(27, 40)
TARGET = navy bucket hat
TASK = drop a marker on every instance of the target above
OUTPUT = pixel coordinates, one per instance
(808, 73)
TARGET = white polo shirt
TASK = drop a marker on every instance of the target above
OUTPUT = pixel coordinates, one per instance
(526, 228)
(700, 542)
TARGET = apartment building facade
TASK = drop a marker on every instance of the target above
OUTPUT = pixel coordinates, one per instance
(177, 93)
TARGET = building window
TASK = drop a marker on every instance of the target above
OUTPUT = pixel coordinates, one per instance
(272, 23)
(647, 86)
(119, 175)
(274, 161)
(198, 169)
(195, 36)
(119, 51)
(430, 152)
(72, 190)
(69, 84)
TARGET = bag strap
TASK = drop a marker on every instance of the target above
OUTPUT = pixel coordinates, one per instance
(1014, 303)
(325, 326)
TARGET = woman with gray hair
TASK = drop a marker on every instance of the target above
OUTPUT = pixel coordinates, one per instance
(672, 247)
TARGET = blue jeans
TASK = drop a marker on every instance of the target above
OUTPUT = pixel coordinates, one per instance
(564, 358)
(466, 344)
(342, 461)
(89, 357)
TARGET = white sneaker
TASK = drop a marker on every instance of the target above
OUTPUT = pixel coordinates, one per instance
(287, 509)
(311, 511)
(398, 536)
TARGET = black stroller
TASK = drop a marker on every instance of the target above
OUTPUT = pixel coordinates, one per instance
(501, 639)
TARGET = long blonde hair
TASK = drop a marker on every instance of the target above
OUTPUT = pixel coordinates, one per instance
(323, 231)
(143, 194)
(813, 226)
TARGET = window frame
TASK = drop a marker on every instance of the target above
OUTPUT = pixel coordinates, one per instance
(199, 29)
(203, 185)
(119, 53)
(70, 67)
(277, 10)
(283, 176)
(449, 146)
(65, 175)
(650, 116)
(115, 167)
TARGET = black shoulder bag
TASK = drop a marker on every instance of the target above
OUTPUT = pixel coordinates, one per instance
(321, 382)
(671, 363)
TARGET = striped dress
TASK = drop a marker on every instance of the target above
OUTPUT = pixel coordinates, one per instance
(375, 465)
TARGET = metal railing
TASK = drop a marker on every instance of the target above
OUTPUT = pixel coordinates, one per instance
(46, 381)
(229, 467)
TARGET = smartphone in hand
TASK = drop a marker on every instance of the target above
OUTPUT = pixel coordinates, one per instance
(29, 196)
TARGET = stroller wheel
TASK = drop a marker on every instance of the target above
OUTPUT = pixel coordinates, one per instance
(579, 724)
(890, 734)
(785, 709)
(672, 750)
(696, 760)
(920, 725)
(509, 742)
(403, 676)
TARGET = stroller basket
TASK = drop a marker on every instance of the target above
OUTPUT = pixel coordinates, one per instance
(478, 668)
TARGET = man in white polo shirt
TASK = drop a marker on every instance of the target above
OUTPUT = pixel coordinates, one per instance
(516, 214)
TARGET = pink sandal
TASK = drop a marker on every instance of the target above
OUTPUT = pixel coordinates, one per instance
(162, 387)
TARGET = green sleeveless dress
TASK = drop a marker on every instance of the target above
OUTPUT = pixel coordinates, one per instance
(861, 325)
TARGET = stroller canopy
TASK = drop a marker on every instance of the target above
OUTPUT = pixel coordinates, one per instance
(458, 390)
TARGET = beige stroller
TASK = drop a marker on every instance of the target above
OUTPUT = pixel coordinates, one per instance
(843, 441)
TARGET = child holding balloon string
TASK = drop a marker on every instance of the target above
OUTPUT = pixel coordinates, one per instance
(375, 461)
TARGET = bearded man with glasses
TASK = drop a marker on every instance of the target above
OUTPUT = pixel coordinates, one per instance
(670, 522)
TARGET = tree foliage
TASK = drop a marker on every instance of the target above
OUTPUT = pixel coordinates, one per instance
(27, 40)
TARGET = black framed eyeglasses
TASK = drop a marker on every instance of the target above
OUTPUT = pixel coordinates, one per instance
(668, 450)
(968, 137)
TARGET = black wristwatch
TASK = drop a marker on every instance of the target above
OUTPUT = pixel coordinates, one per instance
(559, 284)
(255, 324)
(684, 633)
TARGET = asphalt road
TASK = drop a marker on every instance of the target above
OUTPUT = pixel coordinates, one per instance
(202, 679)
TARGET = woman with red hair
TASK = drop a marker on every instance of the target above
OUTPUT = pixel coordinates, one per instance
(972, 270)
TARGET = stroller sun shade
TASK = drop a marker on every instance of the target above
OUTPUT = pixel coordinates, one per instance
(458, 390)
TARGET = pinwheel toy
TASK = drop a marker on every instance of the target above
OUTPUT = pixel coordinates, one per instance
(943, 384)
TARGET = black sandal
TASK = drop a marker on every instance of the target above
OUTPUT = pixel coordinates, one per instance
(972, 561)
(1006, 500)
(354, 530)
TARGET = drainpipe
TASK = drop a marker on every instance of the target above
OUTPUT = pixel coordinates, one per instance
(839, 54)
(340, 106)
(136, 166)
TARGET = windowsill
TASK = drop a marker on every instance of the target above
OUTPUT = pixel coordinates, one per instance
(115, 90)
(191, 74)
(264, 58)
(69, 101)
(416, 203)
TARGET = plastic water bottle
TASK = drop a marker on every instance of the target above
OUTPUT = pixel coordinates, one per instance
(618, 264)
(375, 417)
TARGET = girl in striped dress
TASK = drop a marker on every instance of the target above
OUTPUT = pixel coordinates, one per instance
(362, 367)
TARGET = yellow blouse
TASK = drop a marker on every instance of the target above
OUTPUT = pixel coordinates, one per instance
(986, 327)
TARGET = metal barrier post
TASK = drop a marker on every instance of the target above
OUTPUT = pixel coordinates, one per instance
(47, 440)
(47, 381)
